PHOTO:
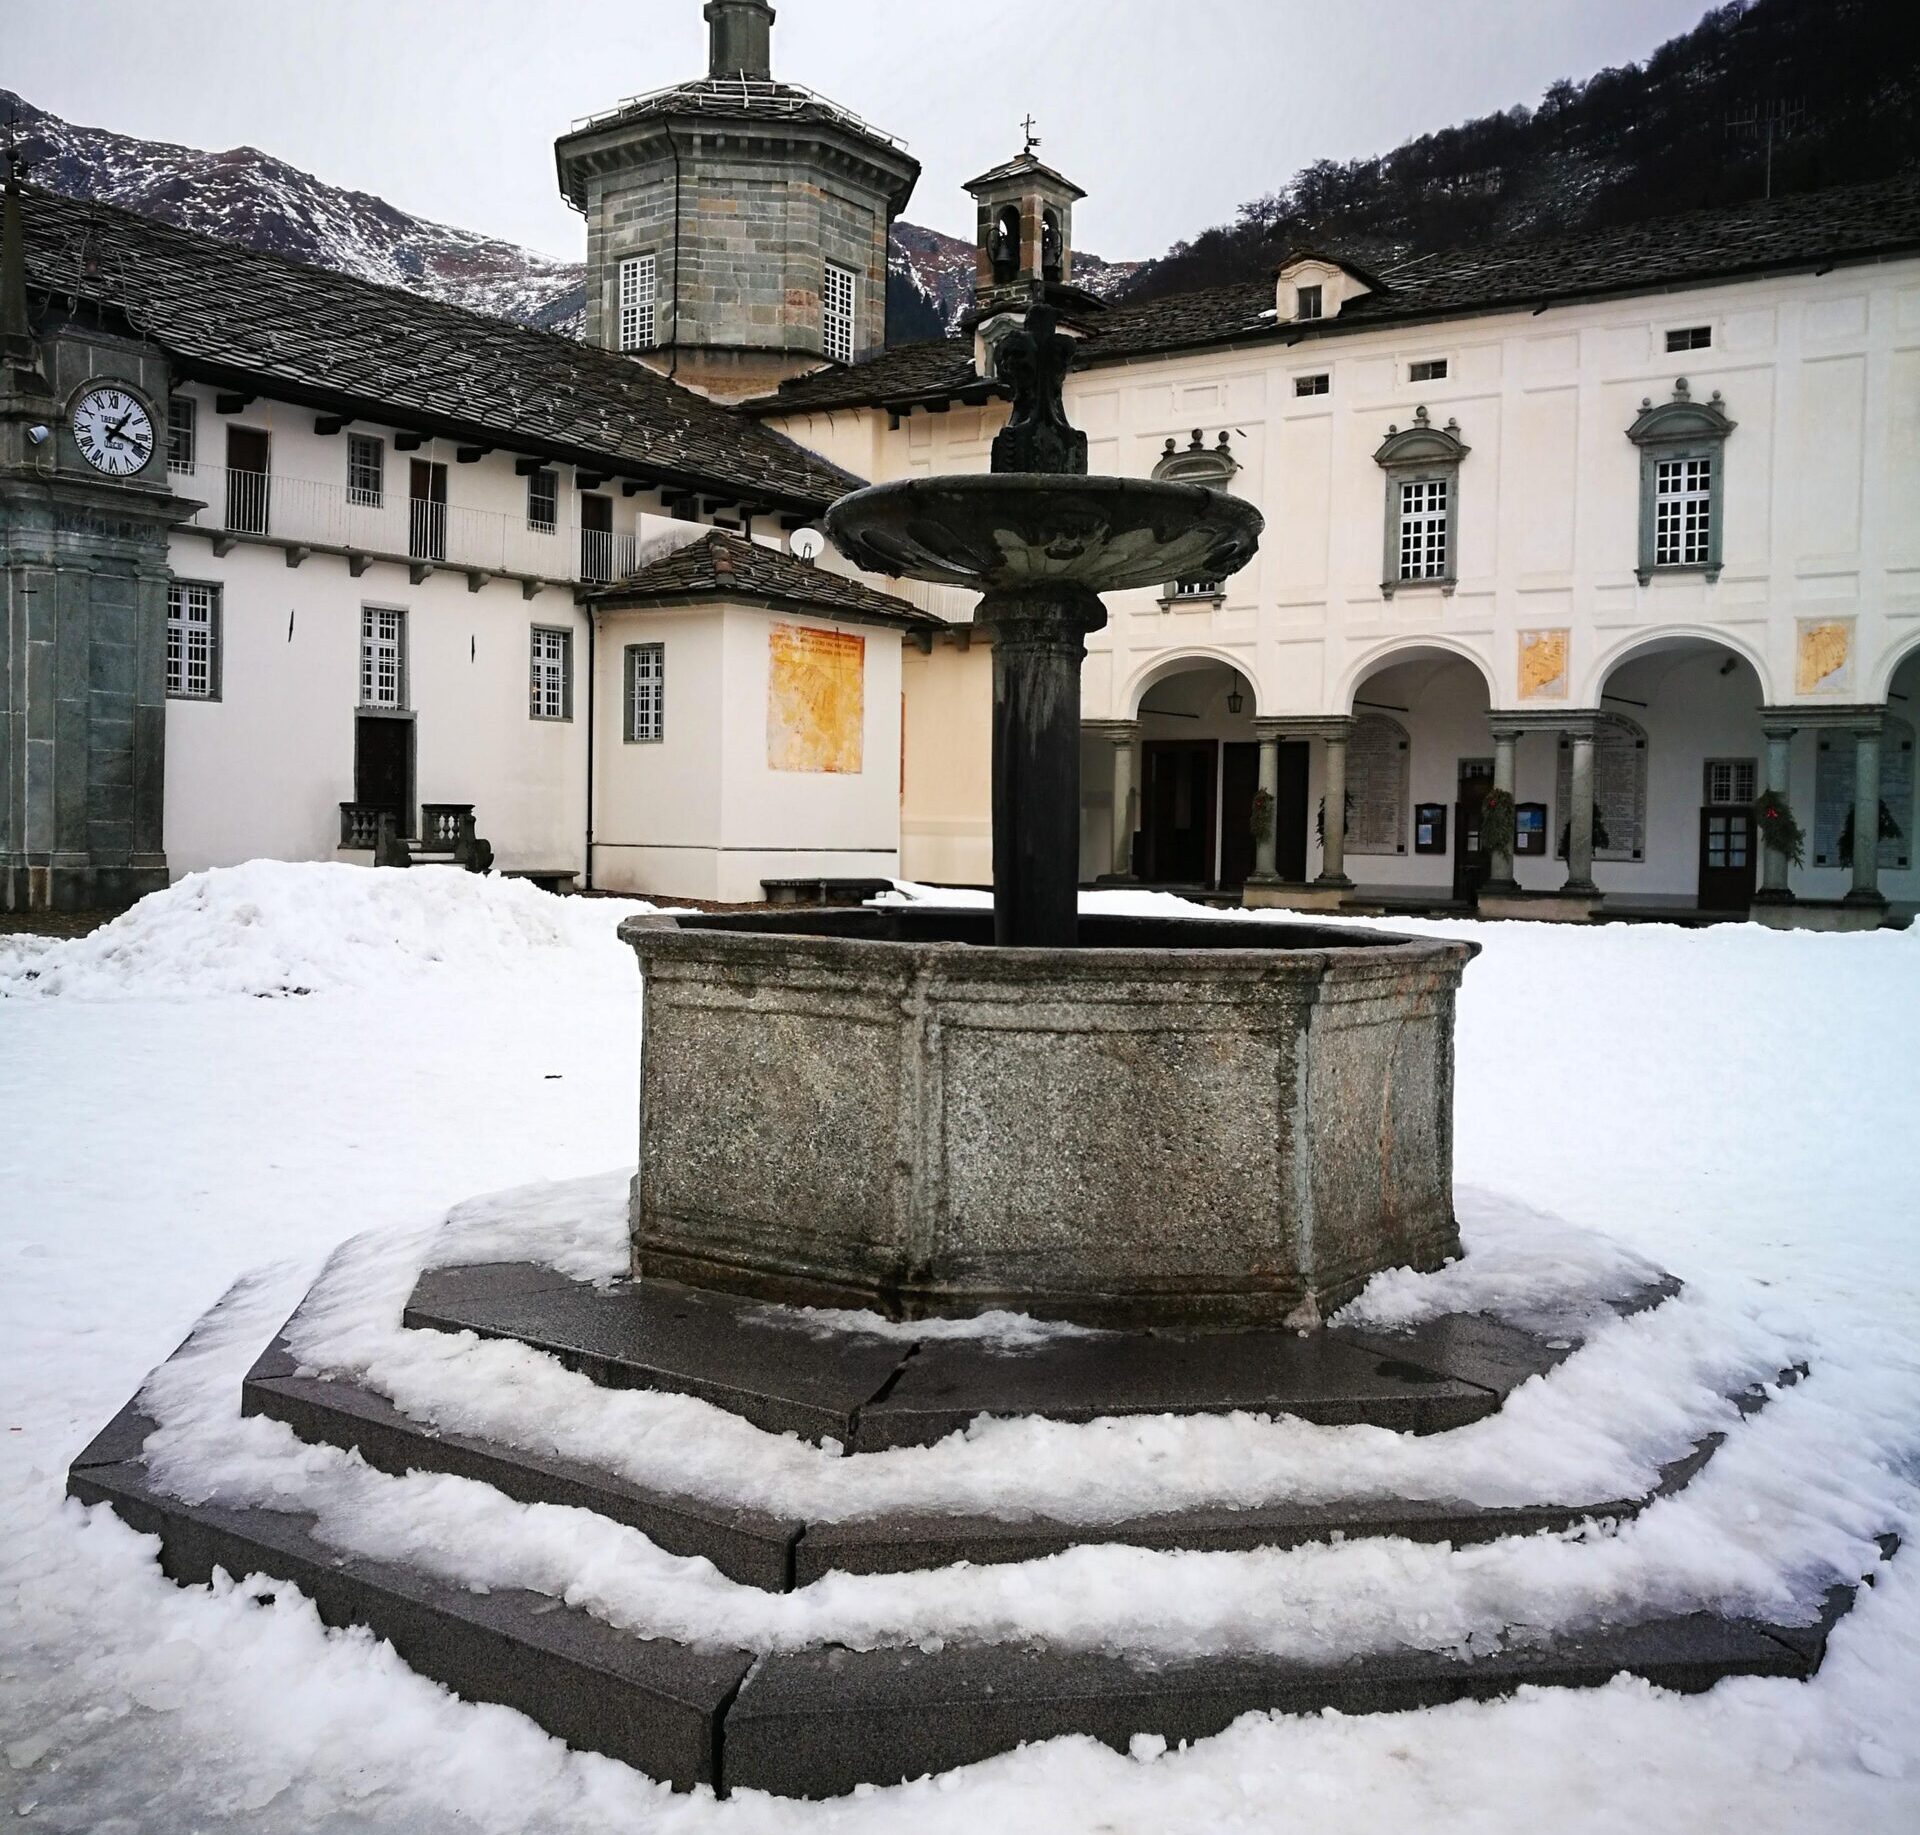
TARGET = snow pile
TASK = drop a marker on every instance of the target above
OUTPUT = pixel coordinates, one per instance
(277, 927)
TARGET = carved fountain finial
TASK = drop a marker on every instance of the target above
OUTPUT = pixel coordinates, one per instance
(1037, 437)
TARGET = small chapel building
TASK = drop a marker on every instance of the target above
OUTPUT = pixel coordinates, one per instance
(1574, 548)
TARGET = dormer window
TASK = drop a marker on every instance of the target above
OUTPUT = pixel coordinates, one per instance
(1307, 302)
(1311, 286)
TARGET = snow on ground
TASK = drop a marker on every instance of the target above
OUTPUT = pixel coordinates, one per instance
(1734, 1105)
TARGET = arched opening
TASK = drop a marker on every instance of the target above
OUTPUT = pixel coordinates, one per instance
(1419, 765)
(1674, 791)
(1177, 809)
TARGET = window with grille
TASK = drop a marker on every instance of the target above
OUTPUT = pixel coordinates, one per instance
(1428, 369)
(1682, 512)
(1423, 529)
(836, 313)
(552, 687)
(1732, 780)
(366, 469)
(1690, 337)
(1197, 589)
(1307, 303)
(193, 640)
(1312, 385)
(646, 693)
(636, 303)
(543, 500)
(383, 657)
(181, 428)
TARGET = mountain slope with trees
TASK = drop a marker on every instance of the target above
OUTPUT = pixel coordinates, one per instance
(1786, 95)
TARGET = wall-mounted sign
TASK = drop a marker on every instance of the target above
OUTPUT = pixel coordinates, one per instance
(1530, 828)
(1430, 828)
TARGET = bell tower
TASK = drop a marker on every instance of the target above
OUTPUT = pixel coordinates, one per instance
(737, 226)
(1025, 243)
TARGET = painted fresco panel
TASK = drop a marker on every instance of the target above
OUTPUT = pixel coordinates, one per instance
(816, 699)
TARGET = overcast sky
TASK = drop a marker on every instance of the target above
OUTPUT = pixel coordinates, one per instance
(1169, 112)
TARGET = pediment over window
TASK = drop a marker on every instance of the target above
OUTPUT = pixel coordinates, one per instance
(1198, 463)
(1681, 419)
(1309, 285)
(1421, 444)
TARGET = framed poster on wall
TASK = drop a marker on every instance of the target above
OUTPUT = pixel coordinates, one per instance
(1430, 828)
(1530, 828)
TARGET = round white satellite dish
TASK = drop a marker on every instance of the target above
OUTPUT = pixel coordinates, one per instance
(808, 544)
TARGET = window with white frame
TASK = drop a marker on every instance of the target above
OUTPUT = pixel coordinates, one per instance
(1318, 384)
(182, 425)
(543, 500)
(552, 685)
(366, 469)
(1691, 337)
(646, 693)
(1683, 512)
(383, 657)
(1428, 369)
(836, 312)
(1732, 780)
(1307, 303)
(1423, 528)
(193, 640)
(637, 303)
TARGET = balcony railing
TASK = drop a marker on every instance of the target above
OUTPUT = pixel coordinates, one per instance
(305, 511)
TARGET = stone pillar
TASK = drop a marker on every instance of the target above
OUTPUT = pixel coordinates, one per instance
(1866, 817)
(1580, 817)
(1039, 642)
(1333, 821)
(1122, 735)
(1500, 880)
(1774, 865)
(1263, 842)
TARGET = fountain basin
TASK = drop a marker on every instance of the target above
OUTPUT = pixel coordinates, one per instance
(1008, 532)
(1184, 1122)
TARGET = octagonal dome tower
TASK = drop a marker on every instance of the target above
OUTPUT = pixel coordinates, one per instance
(737, 227)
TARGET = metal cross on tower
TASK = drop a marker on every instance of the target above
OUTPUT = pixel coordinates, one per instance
(1026, 127)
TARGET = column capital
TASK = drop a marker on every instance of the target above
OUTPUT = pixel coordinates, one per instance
(1302, 726)
(1852, 717)
(1514, 721)
(1121, 732)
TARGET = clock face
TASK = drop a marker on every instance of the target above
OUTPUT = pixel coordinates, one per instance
(113, 431)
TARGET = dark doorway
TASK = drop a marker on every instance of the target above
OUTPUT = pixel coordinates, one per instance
(1726, 857)
(383, 767)
(596, 537)
(1471, 863)
(248, 480)
(1176, 811)
(427, 507)
(1290, 811)
(1239, 779)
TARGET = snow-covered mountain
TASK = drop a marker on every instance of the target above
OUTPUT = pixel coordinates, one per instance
(247, 196)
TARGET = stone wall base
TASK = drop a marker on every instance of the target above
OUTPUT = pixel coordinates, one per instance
(85, 888)
(1821, 914)
(1290, 895)
(1542, 907)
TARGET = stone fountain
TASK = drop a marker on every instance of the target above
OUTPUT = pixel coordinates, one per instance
(1117, 1120)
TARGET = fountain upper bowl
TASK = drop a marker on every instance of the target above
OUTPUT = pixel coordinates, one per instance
(1002, 531)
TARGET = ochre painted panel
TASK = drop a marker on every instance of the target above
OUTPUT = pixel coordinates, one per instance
(816, 699)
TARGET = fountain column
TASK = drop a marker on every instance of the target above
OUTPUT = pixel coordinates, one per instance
(1039, 638)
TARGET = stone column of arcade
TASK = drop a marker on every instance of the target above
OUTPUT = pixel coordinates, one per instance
(1774, 865)
(1866, 816)
(1500, 880)
(1333, 816)
(1580, 816)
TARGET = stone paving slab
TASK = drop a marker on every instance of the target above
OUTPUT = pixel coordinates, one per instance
(650, 1703)
(750, 1546)
(819, 1723)
(657, 1335)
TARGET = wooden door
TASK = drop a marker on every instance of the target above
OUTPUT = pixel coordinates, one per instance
(1177, 811)
(1471, 861)
(1290, 811)
(383, 767)
(1728, 845)
(248, 480)
(427, 510)
(1239, 779)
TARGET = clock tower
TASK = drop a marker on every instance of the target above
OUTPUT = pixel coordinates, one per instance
(85, 515)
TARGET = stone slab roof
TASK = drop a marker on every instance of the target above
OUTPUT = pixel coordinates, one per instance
(246, 320)
(1857, 223)
(724, 566)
